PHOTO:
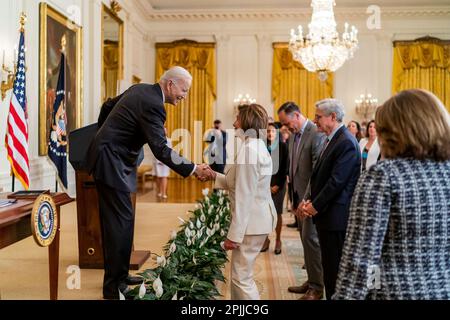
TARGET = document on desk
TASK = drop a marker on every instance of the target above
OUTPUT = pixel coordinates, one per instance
(7, 202)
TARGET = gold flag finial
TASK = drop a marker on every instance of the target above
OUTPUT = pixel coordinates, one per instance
(115, 6)
(23, 20)
(63, 44)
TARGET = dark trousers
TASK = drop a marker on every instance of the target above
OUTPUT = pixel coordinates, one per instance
(117, 223)
(331, 243)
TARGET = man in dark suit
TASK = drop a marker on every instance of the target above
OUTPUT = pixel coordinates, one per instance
(217, 151)
(304, 148)
(331, 188)
(126, 123)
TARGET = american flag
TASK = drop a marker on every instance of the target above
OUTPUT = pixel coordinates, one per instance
(17, 129)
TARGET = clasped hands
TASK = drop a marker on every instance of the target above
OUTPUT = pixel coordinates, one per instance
(305, 210)
(204, 173)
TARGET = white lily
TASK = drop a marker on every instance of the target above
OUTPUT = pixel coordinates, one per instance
(187, 232)
(202, 218)
(142, 290)
(217, 227)
(173, 235)
(172, 248)
(191, 225)
(216, 219)
(221, 201)
(121, 296)
(158, 287)
(161, 261)
(188, 242)
(205, 191)
(199, 224)
(210, 210)
(175, 296)
(222, 233)
(193, 260)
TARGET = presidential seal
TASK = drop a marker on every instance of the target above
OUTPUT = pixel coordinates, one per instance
(44, 220)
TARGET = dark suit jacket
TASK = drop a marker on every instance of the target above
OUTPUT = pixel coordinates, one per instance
(126, 123)
(333, 181)
(280, 165)
(307, 153)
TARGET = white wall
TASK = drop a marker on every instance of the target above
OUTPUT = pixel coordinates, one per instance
(86, 13)
(244, 57)
(244, 51)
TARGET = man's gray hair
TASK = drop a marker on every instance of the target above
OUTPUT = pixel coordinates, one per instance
(328, 106)
(176, 73)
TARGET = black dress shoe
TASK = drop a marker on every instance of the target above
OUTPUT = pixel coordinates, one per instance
(133, 280)
(265, 246)
(115, 296)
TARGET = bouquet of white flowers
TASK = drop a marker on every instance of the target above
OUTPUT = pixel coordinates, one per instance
(193, 259)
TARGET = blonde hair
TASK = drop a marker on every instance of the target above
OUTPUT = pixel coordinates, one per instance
(414, 123)
(253, 119)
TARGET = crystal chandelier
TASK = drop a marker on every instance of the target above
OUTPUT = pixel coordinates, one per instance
(243, 99)
(321, 50)
(366, 106)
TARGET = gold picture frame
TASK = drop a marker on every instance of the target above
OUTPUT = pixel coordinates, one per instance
(53, 26)
(108, 41)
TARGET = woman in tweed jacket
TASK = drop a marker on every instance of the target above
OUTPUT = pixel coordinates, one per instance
(397, 244)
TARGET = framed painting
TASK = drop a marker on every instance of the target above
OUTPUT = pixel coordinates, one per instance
(53, 27)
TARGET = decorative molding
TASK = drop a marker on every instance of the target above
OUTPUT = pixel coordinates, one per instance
(293, 13)
(264, 38)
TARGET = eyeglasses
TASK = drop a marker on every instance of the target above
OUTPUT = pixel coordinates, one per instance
(317, 117)
(185, 91)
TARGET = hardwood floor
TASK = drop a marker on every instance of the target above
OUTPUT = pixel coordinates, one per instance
(178, 190)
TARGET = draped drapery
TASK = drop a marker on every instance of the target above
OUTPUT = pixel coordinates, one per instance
(292, 82)
(110, 69)
(423, 64)
(194, 114)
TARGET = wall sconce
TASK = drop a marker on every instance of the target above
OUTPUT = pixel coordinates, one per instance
(242, 99)
(366, 106)
(8, 75)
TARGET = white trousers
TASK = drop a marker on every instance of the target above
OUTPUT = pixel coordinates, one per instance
(243, 287)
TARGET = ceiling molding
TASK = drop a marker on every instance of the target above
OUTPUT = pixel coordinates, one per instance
(294, 13)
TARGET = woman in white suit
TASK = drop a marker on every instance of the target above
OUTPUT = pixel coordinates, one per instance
(253, 212)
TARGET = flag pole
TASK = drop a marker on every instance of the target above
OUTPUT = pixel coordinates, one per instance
(13, 179)
(63, 51)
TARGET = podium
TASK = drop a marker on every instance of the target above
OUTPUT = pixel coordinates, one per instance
(90, 248)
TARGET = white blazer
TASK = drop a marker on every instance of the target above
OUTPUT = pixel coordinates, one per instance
(374, 152)
(248, 183)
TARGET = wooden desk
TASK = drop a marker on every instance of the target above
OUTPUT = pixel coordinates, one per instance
(15, 225)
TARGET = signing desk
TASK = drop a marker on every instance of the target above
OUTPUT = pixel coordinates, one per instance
(15, 225)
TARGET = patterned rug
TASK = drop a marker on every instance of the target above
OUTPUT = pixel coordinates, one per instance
(275, 273)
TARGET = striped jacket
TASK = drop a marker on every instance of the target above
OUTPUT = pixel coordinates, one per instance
(397, 244)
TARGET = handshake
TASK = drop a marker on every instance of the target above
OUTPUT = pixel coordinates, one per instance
(204, 173)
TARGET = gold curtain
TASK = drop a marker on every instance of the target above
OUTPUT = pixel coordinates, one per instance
(110, 69)
(292, 82)
(196, 112)
(423, 64)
